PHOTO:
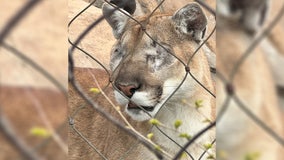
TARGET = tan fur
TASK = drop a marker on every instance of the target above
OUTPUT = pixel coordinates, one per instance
(114, 143)
(107, 138)
(198, 67)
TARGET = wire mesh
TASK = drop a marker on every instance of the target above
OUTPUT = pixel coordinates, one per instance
(230, 88)
(72, 78)
(75, 130)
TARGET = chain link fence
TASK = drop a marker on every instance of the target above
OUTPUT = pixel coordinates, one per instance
(79, 125)
(229, 88)
(82, 98)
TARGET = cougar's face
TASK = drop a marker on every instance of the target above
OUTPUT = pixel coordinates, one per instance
(143, 72)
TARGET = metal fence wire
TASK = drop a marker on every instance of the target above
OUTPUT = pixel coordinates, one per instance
(106, 115)
(92, 100)
(228, 83)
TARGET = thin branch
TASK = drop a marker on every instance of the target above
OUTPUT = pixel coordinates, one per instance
(47, 123)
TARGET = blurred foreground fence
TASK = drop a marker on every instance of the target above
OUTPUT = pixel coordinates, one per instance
(33, 94)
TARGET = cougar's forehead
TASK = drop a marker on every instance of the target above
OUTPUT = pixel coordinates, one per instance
(161, 28)
(158, 27)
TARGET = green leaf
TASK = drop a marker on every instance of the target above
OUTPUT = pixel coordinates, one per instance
(154, 122)
(185, 135)
(198, 104)
(39, 132)
(95, 90)
(207, 121)
(177, 124)
(207, 146)
(150, 135)
(183, 155)
(158, 148)
(211, 157)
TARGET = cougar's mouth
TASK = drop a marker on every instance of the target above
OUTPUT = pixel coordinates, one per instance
(133, 106)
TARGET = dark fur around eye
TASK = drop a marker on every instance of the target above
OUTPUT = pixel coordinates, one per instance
(117, 52)
(150, 58)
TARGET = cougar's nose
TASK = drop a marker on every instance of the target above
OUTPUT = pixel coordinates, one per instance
(128, 90)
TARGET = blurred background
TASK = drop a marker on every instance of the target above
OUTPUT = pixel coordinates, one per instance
(33, 58)
(250, 80)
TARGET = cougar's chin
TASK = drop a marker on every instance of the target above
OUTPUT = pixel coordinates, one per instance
(133, 107)
(141, 110)
(141, 113)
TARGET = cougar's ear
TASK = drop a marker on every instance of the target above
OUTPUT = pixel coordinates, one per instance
(191, 20)
(116, 19)
(253, 19)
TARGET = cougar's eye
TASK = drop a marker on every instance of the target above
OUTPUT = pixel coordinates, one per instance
(150, 58)
(118, 52)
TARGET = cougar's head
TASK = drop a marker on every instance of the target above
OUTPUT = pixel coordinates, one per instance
(145, 66)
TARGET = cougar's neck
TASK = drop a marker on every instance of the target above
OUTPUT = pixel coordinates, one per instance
(193, 121)
(182, 106)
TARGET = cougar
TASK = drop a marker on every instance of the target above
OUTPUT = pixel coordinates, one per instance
(152, 80)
